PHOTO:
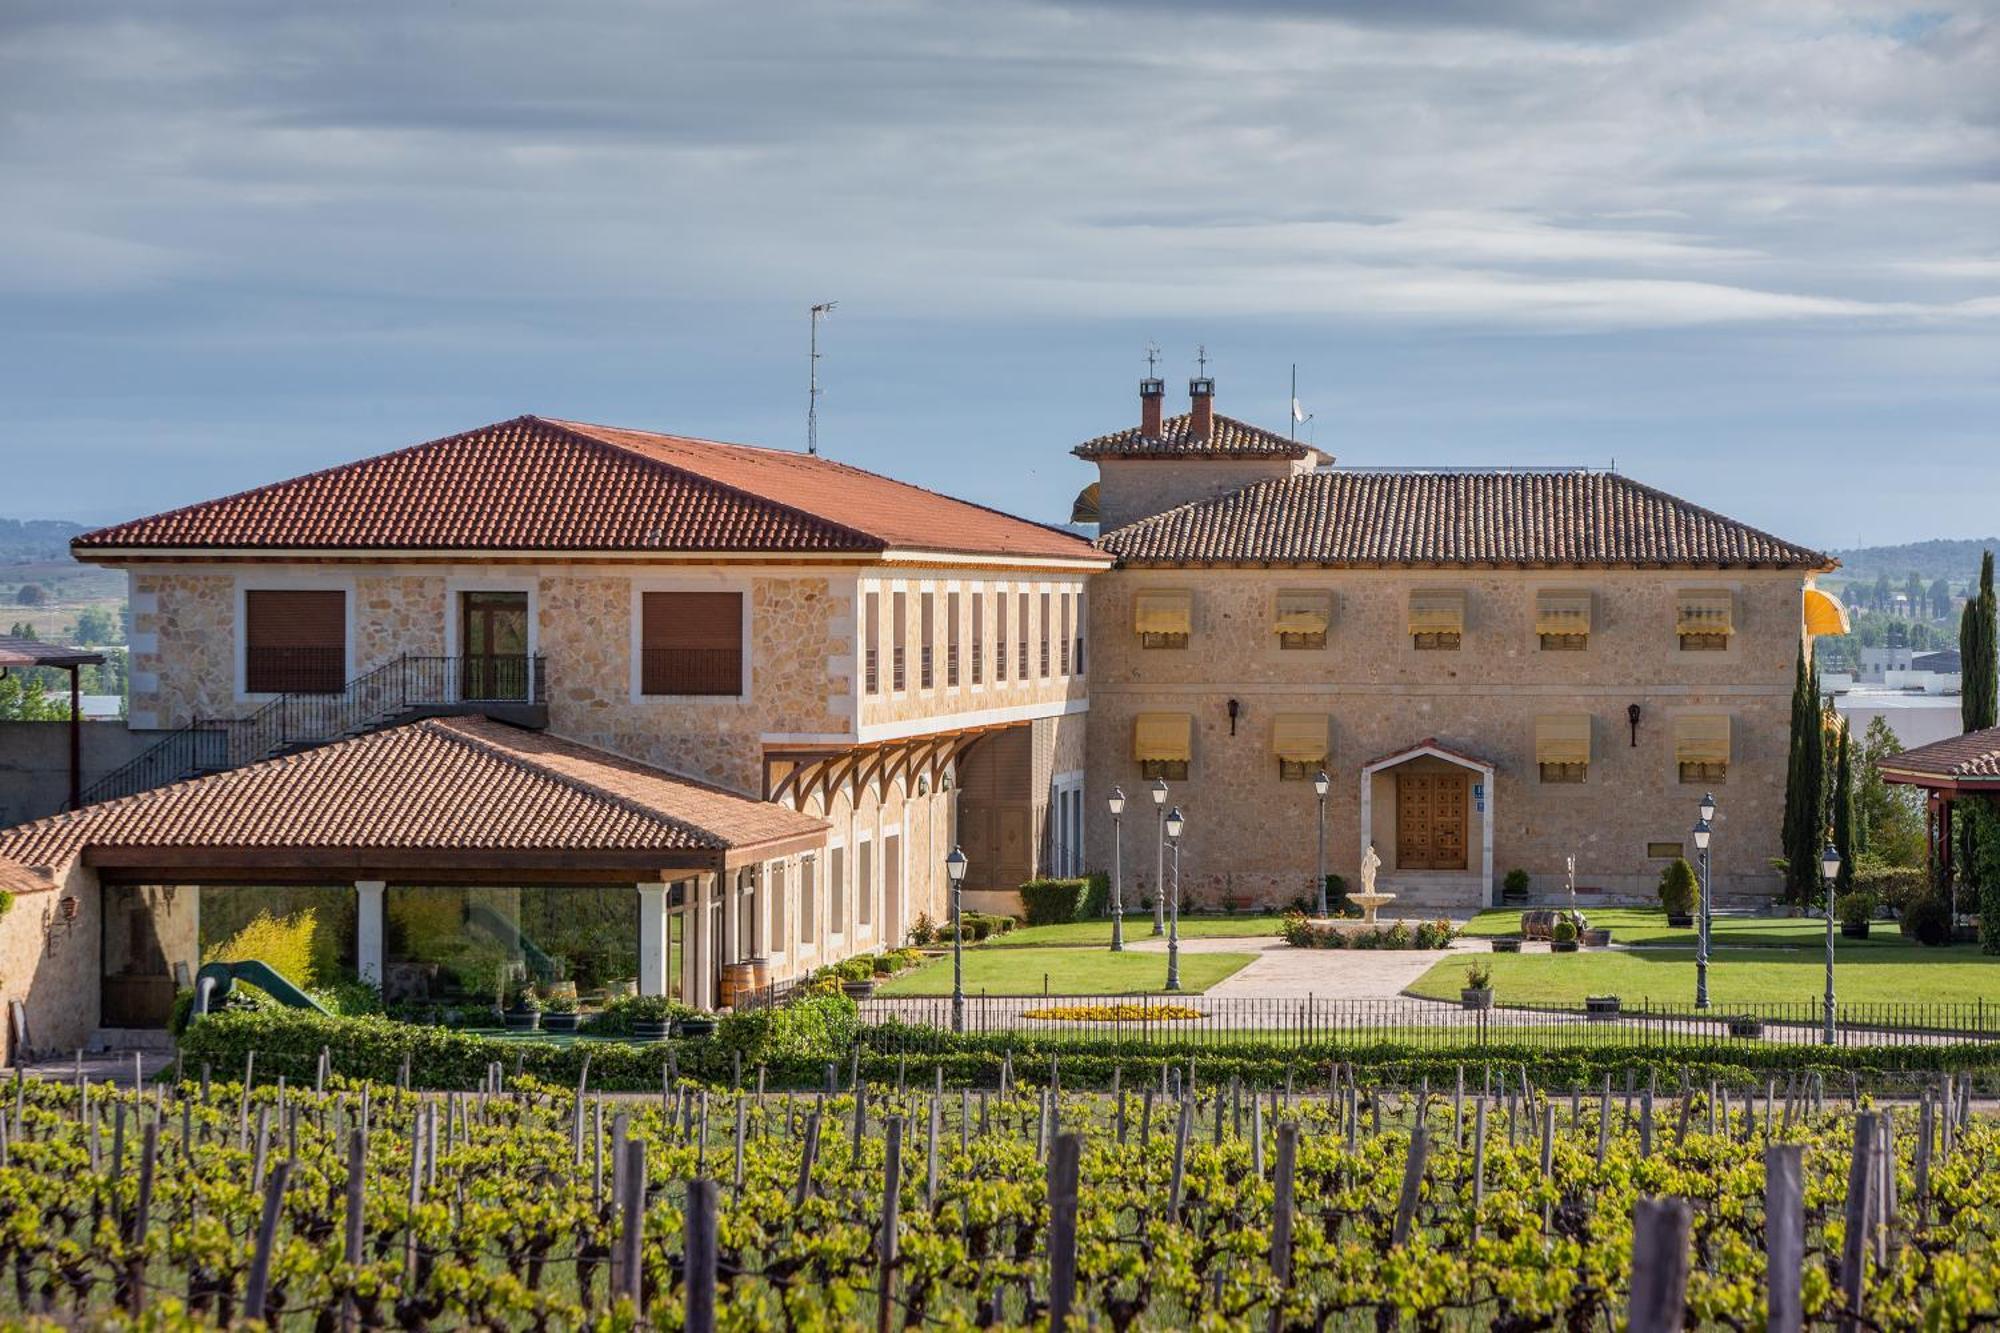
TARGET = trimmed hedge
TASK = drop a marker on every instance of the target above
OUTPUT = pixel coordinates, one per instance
(1054, 902)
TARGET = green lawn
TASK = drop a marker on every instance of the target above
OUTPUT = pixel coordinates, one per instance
(1648, 926)
(1069, 971)
(1138, 926)
(1865, 972)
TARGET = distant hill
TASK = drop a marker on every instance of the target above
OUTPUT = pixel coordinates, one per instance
(1954, 559)
(31, 540)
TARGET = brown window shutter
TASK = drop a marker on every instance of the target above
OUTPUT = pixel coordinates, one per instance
(294, 641)
(691, 643)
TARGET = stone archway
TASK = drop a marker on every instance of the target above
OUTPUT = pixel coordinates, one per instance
(1436, 840)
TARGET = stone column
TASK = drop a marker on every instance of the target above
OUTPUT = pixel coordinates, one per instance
(368, 930)
(730, 887)
(699, 943)
(652, 939)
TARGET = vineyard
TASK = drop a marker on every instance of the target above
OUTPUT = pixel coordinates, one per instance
(1168, 1201)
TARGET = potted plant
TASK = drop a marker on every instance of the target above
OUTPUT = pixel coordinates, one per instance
(1507, 944)
(526, 1013)
(857, 977)
(1678, 888)
(650, 1017)
(1514, 887)
(1477, 992)
(697, 1026)
(561, 1013)
(1562, 937)
(1601, 1006)
(1746, 1025)
(1856, 910)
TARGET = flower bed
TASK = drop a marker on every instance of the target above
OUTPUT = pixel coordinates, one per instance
(1116, 1013)
(1301, 933)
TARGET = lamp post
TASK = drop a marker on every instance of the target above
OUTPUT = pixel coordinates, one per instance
(1701, 836)
(1320, 785)
(1117, 804)
(1159, 791)
(1829, 870)
(1173, 825)
(1707, 811)
(954, 869)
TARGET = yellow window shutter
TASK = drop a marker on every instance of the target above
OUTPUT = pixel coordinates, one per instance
(1161, 611)
(1562, 738)
(1162, 736)
(1701, 738)
(1303, 611)
(1300, 737)
(1437, 611)
(1706, 611)
(1562, 613)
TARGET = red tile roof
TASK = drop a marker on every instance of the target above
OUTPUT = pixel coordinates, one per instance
(537, 484)
(1973, 757)
(462, 784)
(1228, 438)
(1371, 519)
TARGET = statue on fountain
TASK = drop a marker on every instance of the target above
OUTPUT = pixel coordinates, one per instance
(1368, 899)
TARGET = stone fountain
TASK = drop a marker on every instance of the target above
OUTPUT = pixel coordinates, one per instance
(1368, 900)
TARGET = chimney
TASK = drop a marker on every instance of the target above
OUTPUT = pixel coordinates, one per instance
(1201, 408)
(1152, 397)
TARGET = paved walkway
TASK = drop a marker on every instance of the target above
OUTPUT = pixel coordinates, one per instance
(1284, 973)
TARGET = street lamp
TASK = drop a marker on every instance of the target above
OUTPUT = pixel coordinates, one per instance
(1117, 804)
(954, 869)
(1173, 825)
(1707, 812)
(1701, 836)
(1159, 791)
(1320, 784)
(1829, 870)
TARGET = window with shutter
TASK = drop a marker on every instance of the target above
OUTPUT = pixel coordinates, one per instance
(1562, 747)
(691, 643)
(1301, 618)
(1704, 619)
(1562, 621)
(294, 641)
(1701, 747)
(1437, 619)
(1163, 743)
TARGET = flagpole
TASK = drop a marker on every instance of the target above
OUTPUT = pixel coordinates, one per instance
(1292, 408)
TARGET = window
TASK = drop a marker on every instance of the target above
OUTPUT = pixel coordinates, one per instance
(1301, 618)
(1000, 636)
(1163, 618)
(1045, 636)
(899, 630)
(1437, 620)
(1562, 747)
(808, 899)
(871, 639)
(927, 635)
(1022, 603)
(951, 640)
(1162, 743)
(1082, 607)
(747, 880)
(294, 641)
(836, 890)
(1705, 619)
(1664, 851)
(459, 944)
(691, 643)
(1562, 621)
(775, 941)
(978, 638)
(1701, 748)
(1299, 742)
(864, 884)
(1066, 638)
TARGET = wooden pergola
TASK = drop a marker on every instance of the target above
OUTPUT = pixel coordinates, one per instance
(19, 652)
(1955, 769)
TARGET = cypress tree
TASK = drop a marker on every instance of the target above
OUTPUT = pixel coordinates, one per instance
(1843, 810)
(1805, 785)
(1980, 691)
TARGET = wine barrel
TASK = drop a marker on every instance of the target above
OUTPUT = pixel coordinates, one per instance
(744, 979)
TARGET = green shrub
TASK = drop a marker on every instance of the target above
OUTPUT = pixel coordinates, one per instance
(923, 931)
(1564, 930)
(1984, 869)
(1054, 902)
(1515, 883)
(861, 968)
(1894, 887)
(1928, 920)
(617, 1016)
(1097, 900)
(1855, 909)
(1436, 934)
(1678, 887)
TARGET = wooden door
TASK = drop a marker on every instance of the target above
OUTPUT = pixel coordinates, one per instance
(1430, 821)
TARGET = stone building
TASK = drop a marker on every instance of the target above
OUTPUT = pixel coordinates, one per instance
(1496, 670)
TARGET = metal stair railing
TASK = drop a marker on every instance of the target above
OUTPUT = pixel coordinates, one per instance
(301, 719)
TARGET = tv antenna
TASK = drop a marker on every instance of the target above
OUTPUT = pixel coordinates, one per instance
(812, 391)
(1152, 360)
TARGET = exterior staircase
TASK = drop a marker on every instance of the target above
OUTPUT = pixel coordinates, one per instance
(510, 688)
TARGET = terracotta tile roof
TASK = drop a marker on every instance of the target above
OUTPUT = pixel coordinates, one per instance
(1229, 438)
(1364, 518)
(537, 484)
(1973, 757)
(451, 784)
(17, 879)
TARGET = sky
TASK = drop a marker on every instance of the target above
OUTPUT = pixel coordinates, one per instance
(1745, 251)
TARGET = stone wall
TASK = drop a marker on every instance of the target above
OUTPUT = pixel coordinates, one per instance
(34, 763)
(49, 962)
(1252, 834)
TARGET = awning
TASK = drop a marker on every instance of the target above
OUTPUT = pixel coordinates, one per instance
(1824, 614)
(1438, 611)
(1159, 611)
(1562, 613)
(1706, 611)
(1562, 738)
(1162, 737)
(1303, 611)
(1701, 738)
(1300, 737)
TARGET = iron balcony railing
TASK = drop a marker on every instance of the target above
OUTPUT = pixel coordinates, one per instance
(311, 716)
